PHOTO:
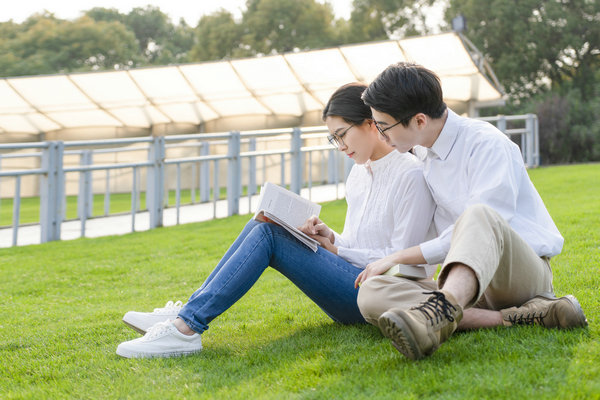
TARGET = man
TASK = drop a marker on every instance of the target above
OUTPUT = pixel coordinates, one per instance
(495, 234)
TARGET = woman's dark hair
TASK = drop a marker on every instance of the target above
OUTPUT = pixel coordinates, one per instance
(403, 90)
(346, 103)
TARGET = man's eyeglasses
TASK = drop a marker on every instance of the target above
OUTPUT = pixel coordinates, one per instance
(382, 130)
(337, 140)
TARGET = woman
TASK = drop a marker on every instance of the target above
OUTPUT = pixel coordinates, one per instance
(389, 208)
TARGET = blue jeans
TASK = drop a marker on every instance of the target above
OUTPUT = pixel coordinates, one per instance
(324, 277)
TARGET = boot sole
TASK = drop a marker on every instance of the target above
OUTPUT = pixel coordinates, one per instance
(394, 328)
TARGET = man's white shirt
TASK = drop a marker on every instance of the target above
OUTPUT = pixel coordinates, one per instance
(472, 162)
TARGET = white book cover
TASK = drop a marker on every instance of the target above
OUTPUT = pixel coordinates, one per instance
(421, 271)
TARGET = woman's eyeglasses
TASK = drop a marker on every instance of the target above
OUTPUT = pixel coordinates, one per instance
(337, 140)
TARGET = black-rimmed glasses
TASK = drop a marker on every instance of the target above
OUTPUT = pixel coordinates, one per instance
(382, 130)
(337, 140)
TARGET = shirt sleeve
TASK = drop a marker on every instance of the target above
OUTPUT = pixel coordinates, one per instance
(493, 179)
(413, 213)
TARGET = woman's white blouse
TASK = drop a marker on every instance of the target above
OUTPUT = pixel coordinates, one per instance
(389, 208)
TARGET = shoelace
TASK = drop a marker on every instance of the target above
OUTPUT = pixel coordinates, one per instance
(158, 330)
(169, 308)
(437, 306)
(529, 319)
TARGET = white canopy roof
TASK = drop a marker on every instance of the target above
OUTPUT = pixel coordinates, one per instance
(202, 94)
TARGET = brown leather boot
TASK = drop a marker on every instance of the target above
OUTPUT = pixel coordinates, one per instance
(548, 311)
(419, 331)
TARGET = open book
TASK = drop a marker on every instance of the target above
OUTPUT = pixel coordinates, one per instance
(422, 271)
(288, 210)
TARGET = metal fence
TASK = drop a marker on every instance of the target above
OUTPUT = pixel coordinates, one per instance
(302, 156)
(208, 174)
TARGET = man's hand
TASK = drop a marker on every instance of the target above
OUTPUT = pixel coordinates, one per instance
(411, 255)
(315, 227)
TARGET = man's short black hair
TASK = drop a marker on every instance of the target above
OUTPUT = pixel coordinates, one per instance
(403, 90)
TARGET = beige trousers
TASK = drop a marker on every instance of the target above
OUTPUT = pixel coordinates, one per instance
(508, 271)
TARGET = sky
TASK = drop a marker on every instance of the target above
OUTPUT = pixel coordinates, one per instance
(191, 11)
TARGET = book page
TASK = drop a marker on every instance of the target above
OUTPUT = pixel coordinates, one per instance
(289, 207)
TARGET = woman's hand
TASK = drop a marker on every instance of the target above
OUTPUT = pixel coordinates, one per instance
(315, 227)
(325, 243)
(375, 268)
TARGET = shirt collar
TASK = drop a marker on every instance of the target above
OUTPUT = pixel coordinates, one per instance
(445, 141)
(382, 163)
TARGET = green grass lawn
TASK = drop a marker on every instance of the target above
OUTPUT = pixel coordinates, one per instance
(60, 323)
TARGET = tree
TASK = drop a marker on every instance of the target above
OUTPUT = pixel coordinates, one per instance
(383, 19)
(151, 28)
(160, 41)
(45, 44)
(534, 44)
(278, 26)
(217, 37)
(176, 46)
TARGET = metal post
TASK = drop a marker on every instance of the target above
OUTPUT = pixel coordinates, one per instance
(336, 175)
(529, 139)
(178, 191)
(282, 158)
(204, 174)
(348, 164)
(134, 196)
(52, 186)
(0, 178)
(84, 199)
(156, 182)
(16, 210)
(107, 194)
(216, 188)
(331, 167)
(252, 188)
(501, 124)
(193, 184)
(536, 144)
(234, 174)
(296, 162)
(310, 175)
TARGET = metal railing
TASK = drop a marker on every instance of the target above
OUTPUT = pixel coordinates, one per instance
(52, 172)
(299, 158)
(527, 128)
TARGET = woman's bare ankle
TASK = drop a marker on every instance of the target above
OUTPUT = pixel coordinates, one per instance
(182, 327)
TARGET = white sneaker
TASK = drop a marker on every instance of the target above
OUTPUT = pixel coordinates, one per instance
(162, 340)
(142, 321)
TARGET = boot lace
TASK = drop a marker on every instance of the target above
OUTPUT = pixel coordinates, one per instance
(169, 308)
(436, 307)
(527, 319)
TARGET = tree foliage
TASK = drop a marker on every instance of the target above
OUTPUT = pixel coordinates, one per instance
(383, 19)
(278, 26)
(217, 36)
(534, 44)
(44, 44)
